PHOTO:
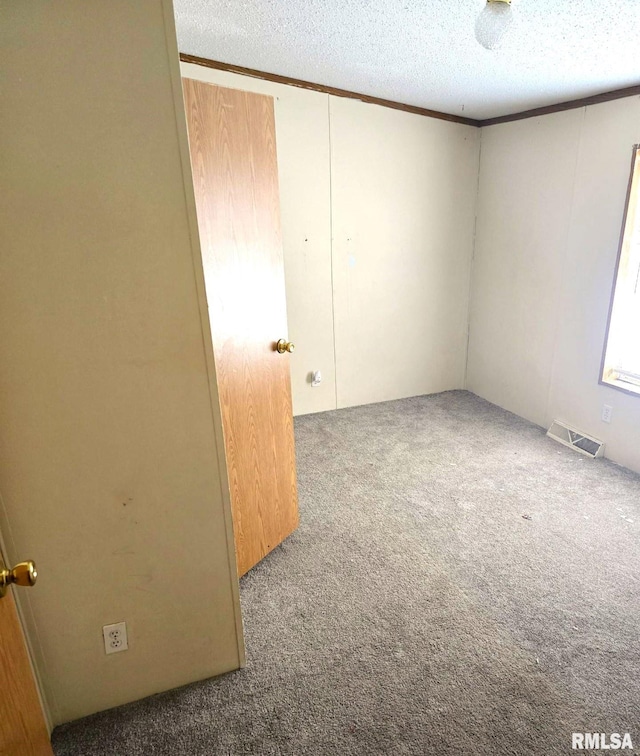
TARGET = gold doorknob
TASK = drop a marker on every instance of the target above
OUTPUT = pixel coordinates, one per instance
(284, 346)
(24, 573)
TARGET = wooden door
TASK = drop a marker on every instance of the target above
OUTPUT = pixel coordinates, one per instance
(23, 731)
(233, 157)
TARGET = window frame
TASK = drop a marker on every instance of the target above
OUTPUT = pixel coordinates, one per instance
(626, 387)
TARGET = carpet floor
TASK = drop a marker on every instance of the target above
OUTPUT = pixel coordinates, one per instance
(459, 584)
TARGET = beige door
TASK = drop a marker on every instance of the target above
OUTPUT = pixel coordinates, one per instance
(23, 731)
(235, 174)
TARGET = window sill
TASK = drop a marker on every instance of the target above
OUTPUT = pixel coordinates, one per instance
(620, 385)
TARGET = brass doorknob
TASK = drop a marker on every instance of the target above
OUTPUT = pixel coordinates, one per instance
(24, 573)
(284, 346)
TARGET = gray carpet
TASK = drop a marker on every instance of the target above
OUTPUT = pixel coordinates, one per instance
(460, 584)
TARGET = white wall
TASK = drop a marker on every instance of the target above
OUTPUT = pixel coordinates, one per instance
(378, 208)
(551, 200)
(403, 209)
(526, 185)
(112, 474)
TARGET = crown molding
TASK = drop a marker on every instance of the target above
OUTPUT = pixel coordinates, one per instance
(326, 90)
(615, 94)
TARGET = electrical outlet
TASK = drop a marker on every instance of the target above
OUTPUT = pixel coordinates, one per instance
(115, 638)
(607, 411)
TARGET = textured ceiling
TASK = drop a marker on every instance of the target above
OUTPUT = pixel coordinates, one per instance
(423, 52)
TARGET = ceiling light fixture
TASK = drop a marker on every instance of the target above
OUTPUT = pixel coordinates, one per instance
(492, 23)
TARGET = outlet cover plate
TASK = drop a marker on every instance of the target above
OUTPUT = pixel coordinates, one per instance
(115, 638)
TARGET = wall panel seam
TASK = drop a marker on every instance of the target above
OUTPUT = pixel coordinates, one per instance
(472, 265)
(331, 249)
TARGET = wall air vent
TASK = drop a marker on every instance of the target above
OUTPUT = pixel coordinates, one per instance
(574, 439)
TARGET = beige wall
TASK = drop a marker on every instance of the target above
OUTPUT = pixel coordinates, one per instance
(551, 200)
(403, 209)
(110, 453)
(378, 209)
